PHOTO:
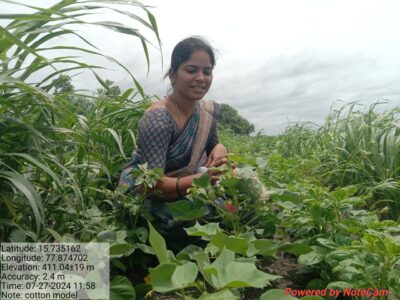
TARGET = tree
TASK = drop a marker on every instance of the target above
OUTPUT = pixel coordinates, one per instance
(62, 85)
(229, 118)
(111, 91)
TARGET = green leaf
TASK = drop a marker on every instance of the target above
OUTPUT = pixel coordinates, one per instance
(203, 181)
(93, 212)
(222, 295)
(106, 236)
(230, 182)
(225, 272)
(276, 294)
(121, 249)
(392, 245)
(236, 244)
(158, 244)
(29, 192)
(310, 258)
(339, 285)
(336, 256)
(142, 290)
(286, 204)
(14, 39)
(316, 284)
(209, 229)
(288, 196)
(121, 289)
(346, 192)
(145, 248)
(117, 264)
(269, 229)
(169, 276)
(186, 210)
(127, 93)
(57, 237)
(118, 139)
(243, 160)
(270, 182)
(327, 243)
(296, 249)
(189, 252)
(142, 234)
(18, 236)
(304, 230)
(262, 247)
(45, 168)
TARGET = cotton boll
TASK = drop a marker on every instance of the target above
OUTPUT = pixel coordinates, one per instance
(202, 170)
(235, 172)
(263, 197)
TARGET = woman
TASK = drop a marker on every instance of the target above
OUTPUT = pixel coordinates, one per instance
(178, 134)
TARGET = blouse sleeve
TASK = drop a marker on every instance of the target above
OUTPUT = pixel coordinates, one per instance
(155, 132)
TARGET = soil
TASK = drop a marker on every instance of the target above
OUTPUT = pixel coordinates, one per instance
(284, 266)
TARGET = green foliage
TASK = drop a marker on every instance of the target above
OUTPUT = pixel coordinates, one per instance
(331, 203)
(209, 229)
(24, 187)
(185, 210)
(226, 271)
(24, 39)
(121, 289)
(321, 212)
(353, 147)
(159, 246)
(371, 261)
(62, 85)
(59, 152)
(111, 90)
(230, 119)
(168, 277)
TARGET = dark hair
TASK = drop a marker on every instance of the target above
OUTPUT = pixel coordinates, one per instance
(184, 49)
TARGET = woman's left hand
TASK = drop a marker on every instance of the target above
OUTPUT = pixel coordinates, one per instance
(218, 156)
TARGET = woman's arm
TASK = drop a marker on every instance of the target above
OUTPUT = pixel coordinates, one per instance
(169, 186)
(173, 188)
(218, 153)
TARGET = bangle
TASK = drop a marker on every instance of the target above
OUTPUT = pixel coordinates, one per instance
(178, 191)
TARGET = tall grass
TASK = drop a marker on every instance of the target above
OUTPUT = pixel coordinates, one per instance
(354, 147)
(59, 157)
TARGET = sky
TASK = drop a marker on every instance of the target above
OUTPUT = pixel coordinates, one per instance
(278, 62)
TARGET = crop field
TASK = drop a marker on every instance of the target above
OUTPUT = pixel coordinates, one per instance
(313, 213)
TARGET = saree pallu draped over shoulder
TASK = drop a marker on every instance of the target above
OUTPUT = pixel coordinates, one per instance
(198, 155)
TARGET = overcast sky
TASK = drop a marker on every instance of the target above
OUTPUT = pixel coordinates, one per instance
(278, 62)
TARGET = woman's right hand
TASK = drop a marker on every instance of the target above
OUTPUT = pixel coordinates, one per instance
(214, 174)
(218, 153)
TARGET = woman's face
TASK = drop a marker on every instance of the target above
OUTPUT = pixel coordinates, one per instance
(193, 78)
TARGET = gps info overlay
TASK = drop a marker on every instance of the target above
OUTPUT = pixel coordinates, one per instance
(54, 271)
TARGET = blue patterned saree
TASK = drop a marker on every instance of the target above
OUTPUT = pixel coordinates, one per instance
(179, 152)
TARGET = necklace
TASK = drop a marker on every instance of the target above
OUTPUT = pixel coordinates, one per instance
(180, 125)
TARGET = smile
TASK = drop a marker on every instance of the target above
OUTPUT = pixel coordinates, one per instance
(199, 88)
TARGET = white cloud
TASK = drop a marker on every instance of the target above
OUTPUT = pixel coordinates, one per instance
(278, 61)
